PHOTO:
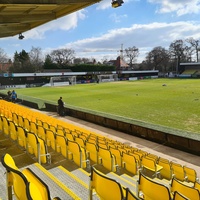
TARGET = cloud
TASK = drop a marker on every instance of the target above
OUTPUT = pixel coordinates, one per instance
(143, 36)
(180, 7)
(117, 18)
(65, 23)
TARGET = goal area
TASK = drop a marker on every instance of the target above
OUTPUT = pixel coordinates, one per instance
(107, 77)
(62, 80)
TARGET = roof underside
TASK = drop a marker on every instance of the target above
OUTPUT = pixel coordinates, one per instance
(18, 16)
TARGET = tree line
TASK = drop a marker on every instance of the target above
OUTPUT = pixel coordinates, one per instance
(159, 58)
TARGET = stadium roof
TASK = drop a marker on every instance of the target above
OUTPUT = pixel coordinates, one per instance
(18, 16)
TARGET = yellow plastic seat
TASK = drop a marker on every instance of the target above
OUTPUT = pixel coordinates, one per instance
(130, 195)
(166, 171)
(41, 132)
(16, 181)
(178, 171)
(105, 187)
(5, 126)
(150, 165)
(80, 141)
(130, 163)
(33, 127)
(27, 124)
(21, 136)
(178, 196)
(118, 156)
(61, 145)
(13, 130)
(189, 192)
(107, 159)
(91, 150)
(150, 190)
(191, 175)
(51, 139)
(77, 154)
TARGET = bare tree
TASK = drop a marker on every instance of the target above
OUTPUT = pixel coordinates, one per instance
(195, 46)
(35, 56)
(62, 56)
(3, 56)
(158, 58)
(132, 53)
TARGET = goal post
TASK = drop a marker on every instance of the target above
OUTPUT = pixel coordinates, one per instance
(107, 77)
(62, 80)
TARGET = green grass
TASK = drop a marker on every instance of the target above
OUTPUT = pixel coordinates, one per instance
(176, 105)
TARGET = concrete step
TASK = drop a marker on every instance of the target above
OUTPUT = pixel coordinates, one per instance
(74, 183)
(123, 181)
(82, 174)
(56, 187)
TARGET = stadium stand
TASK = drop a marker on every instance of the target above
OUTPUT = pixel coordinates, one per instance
(43, 137)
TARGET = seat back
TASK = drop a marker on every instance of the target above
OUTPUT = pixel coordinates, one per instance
(42, 188)
(152, 190)
(16, 181)
(5, 126)
(178, 196)
(32, 144)
(76, 153)
(33, 192)
(129, 163)
(166, 172)
(21, 136)
(61, 145)
(118, 156)
(178, 171)
(43, 155)
(13, 130)
(190, 174)
(41, 132)
(130, 195)
(106, 159)
(105, 187)
(33, 127)
(91, 149)
(50, 139)
(189, 192)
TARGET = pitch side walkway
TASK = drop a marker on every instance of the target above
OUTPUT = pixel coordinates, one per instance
(169, 153)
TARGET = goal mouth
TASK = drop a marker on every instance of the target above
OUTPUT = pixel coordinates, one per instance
(62, 80)
(107, 77)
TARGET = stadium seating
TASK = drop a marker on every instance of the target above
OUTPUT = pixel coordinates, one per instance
(16, 180)
(191, 175)
(189, 192)
(150, 165)
(130, 195)
(12, 130)
(149, 189)
(25, 184)
(106, 159)
(178, 171)
(166, 171)
(179, 196)
(106, 188)
(129, 163)
(76, 153)
(118, 156)
(91, 150)
(61, 145)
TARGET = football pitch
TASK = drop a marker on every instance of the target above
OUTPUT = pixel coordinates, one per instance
(173, 103)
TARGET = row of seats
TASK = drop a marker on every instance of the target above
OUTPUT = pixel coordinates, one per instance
(104, 151)
(124, 156)
(26, 185)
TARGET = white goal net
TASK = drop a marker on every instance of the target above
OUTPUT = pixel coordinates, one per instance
(107, 77)
(62, 80)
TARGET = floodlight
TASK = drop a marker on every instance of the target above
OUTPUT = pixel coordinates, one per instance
(116, 3)
(21, 37)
